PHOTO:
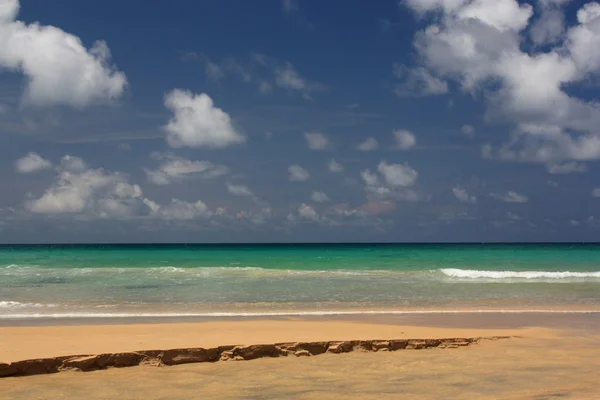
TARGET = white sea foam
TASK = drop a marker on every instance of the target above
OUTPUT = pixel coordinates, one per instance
(17, 304)
(475, 274)
(281, 313)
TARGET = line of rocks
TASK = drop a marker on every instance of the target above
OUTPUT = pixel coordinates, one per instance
(223, 353)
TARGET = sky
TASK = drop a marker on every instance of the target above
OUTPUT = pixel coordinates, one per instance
(299, 121)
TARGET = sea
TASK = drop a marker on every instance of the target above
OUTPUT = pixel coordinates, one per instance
(204, 280)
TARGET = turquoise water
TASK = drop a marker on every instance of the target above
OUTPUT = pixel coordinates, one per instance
(127, 280)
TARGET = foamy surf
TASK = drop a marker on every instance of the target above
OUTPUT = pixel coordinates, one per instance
(91, 315)
(476, 274)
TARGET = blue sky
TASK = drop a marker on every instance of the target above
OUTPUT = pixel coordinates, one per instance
(237, 121)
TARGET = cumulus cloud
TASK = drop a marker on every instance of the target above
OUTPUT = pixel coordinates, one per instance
(369, 144)
(317, 141)
(175, 169)
(183, 210)
(239, 190)
(297, 173)
(196, 122)
(58, 67)
(307, 212)
(391, 181)
(479, 45)
(334, 166)
(404, 139)
(462, 195)
(319, 197)
(510, 197)
(32, 162)
(95, 192)
(417, 82)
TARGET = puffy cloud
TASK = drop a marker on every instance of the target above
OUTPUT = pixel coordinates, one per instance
(297, 173)
(417, 82)
(468, 130)
(239, 190)
(479, 45)
(317, 140)
(334, 166)
(183, 210)
(462, 195)
(32, 162)
(58, 68)
(566, 168)
(94, 192)
(175, 169)
(404, 139)
(197, 122)
(510, 197)
(319, 197)
(369, 144)
(397, 174)
(307, 212)
(596, 192)
(392, 181)
(549, 27)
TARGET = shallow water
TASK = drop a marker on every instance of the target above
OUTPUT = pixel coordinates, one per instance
(154, 280)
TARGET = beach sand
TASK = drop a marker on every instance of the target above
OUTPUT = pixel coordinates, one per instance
(548, 356)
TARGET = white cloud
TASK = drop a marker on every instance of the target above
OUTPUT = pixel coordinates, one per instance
(307, 212)
(317, 141)
(397, 174)
(391, 182)
(197, 123)
(462, 195)
(404, 139)
(319, 197)
(297, 173)
(468, 130)
(510, 197)
(334, 166)
(239, 190)
(32, 162)
(596, 192)
(183, 210)
(59, 69)
(479, 44)
(369, 144)
(94, 192)
(176, 169)
(566, 168)
(417, 82)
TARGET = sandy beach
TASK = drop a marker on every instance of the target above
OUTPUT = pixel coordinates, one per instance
(546, 356)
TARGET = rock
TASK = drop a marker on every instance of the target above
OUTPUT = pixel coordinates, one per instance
(257, 351)
(378, 345)
(302, 353)
(314, 348)
(340, 347)
(398, 344)
(186, 356)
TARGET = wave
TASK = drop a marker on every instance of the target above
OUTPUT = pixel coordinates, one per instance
(476, 274)
(86, 315)
(17, 304)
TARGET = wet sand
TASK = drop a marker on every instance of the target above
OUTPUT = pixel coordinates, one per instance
(551, 357)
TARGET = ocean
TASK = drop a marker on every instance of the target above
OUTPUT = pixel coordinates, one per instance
(147, 280)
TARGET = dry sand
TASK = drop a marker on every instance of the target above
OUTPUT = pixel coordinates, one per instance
(552, 360)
